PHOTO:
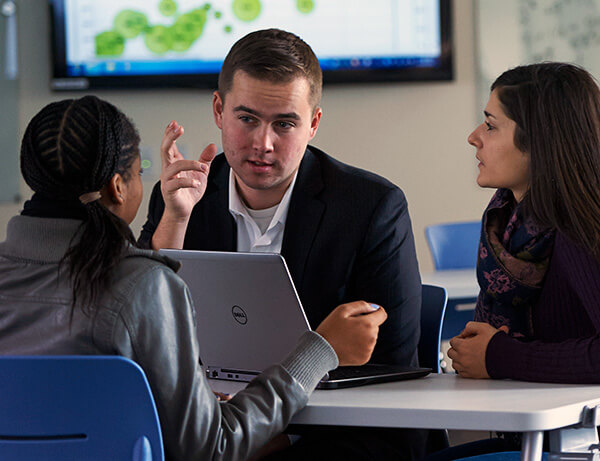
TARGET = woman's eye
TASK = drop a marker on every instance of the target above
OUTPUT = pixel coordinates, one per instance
(489, 127)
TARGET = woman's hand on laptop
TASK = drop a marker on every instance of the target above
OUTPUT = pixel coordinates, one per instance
(352, 331)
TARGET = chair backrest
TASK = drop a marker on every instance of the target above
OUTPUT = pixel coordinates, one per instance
(454, 245)
(433, 307)
(77, 407)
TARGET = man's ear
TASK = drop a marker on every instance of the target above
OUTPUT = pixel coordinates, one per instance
(314, 123)
(217, 104)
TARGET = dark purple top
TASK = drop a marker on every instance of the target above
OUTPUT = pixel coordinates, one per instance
(565, 347)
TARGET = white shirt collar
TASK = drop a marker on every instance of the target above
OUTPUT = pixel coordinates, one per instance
(237, 207)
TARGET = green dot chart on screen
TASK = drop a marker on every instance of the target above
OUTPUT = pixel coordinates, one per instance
(167, 37)
(166, 26)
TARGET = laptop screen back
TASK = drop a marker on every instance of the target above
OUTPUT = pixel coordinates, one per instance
(247, 310)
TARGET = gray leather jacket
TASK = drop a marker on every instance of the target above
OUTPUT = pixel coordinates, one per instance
(148, 316)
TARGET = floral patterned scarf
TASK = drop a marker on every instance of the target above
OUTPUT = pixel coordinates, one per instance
(514, 254)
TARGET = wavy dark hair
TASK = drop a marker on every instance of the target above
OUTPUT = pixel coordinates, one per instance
(76, 146)
(556, 107)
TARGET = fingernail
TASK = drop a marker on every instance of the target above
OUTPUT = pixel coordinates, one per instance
(374, 306)
(170, 125)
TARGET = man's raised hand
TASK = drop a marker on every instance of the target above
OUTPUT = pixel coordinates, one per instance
(182, 182)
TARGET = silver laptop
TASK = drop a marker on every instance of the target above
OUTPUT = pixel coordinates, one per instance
(249, 317)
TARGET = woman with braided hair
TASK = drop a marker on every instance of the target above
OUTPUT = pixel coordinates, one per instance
(73, 282)
(60, 161)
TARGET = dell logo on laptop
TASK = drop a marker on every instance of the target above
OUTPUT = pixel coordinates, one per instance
(239, 315)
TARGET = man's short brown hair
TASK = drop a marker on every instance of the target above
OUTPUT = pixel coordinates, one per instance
(273, 55)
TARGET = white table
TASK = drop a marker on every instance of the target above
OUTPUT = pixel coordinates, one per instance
(451, 402)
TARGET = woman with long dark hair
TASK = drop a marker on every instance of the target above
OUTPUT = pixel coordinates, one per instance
(73, 282)
(538, 312)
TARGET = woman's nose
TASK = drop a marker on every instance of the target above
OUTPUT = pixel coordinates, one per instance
(473, 138)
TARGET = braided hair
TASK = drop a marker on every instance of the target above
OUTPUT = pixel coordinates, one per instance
(71, 148)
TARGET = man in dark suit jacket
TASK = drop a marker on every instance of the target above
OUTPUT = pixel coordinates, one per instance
(346, 233)
(347, 237)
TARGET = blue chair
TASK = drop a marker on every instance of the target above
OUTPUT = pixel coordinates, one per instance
(433, 307)
(77, 407)
(454, 245)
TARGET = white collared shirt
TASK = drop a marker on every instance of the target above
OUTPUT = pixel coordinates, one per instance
(250, 237)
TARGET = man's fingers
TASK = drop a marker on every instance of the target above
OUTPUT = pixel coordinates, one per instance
(208, 154)
(181, 183)
(184, 165)
(167, 146)
(173, 130)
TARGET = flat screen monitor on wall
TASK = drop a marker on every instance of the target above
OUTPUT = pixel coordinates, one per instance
(182, 43)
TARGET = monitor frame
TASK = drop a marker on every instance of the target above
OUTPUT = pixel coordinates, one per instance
(60, 81)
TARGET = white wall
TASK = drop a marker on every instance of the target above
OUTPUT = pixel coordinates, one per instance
(412, 133)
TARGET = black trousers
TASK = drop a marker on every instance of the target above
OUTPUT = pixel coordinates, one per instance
(356, 443)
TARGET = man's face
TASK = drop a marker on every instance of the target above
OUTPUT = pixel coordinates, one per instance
(265, 128)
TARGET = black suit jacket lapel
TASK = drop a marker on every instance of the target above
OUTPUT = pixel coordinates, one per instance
(304, 217)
